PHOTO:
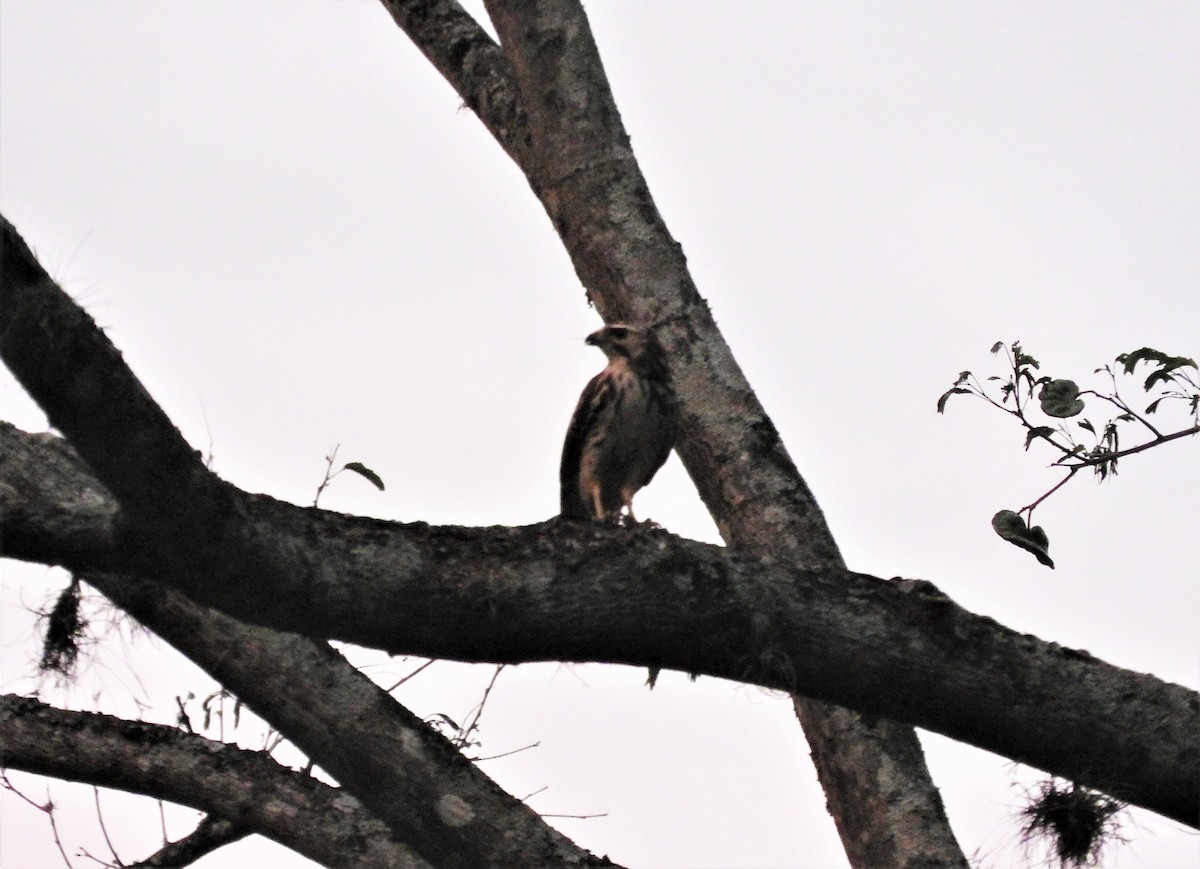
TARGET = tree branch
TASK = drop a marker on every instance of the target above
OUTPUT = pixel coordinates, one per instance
(400, 768)
(571, 592)
(471, 62)
(210, 834)
(176, 514)
(207, 548)
(246, 787)
(593, 190)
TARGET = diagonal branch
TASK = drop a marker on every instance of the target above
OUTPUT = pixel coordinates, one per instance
(303, 814)
(402, 770)
(471, 62)
(559, 591)
(179, 522)
(876, 783)
(210, 835)
(78, 378)
(176, 514)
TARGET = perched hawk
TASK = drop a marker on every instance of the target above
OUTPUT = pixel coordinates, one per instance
(623, 427)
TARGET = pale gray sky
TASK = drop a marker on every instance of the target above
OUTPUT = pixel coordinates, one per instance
(297, 237)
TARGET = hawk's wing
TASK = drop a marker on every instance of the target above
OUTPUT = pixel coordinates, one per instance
(595, 395)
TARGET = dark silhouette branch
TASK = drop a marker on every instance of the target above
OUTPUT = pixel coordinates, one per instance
(471, 61)
(571, 592)
(207, 549)
(301, 813)
(211, 834)
(587, 178)
(399, 768)
(633, 270)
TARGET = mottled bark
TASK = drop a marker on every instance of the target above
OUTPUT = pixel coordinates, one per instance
(571, 592)
(435, 800)
(579, 162)
(246, 787)
(211, 834)
(801, 622)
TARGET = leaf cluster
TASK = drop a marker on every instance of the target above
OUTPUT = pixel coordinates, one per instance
(1042, 405)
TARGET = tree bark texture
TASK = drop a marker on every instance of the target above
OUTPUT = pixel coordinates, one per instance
(564, 591)
(436, 801)
(210, 835)
(400, 768)
(780, 611)
(246, 787)
(579, 162)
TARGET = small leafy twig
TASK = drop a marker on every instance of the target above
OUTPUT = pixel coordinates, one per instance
(1172, 378)
(474, 716)
(356, 467)
(465, 736)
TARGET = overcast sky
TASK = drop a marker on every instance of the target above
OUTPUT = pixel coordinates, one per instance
(284, 219)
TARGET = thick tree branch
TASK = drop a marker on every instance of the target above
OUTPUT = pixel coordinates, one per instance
(246, 787)
(207, 549)
(561, 591)
(177, 516)
(877, 786)
(402, 770)
(471, 62)
(78, 378)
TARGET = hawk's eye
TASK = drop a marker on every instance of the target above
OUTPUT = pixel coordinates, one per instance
(618, 331)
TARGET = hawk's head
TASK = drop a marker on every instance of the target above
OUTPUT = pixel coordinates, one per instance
(636, 344)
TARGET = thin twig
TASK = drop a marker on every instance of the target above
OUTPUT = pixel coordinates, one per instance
(1030, 507)
(103, 828)
(507, 753)
(475, 714)
(329, 473)
(46, 808)
(162, 820)
(424, 666)
(1085, 462)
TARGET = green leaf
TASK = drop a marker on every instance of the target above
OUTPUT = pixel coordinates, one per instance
(363, 471)
(1012, 527)
(997, 347)
(1023, 359)
(1166, 375)
(1166, 364)
(1060, 399)
(954, 390)
(1153, 406)
(1086, 426)
(1040, 431)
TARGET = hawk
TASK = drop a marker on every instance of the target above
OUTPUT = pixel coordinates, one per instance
(623, 427)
